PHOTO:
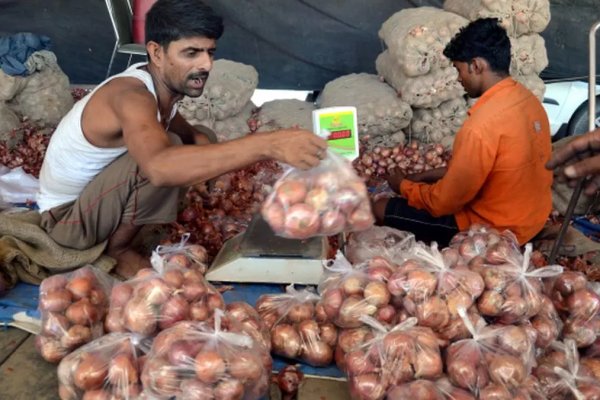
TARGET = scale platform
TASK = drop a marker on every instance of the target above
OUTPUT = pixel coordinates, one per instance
(259, 256)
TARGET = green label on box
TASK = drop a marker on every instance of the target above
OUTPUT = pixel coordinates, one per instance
(340, 130)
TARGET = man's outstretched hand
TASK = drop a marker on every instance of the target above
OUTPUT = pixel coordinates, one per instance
(577, 159)
(394, 178)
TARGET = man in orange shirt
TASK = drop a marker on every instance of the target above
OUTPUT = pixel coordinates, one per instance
(497, 175)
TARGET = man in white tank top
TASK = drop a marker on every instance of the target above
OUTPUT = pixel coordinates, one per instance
(112, 167)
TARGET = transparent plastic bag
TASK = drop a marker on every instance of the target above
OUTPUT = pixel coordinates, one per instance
(322, 201)
(578, 305)
(107, 368)
(296, 331)
(379, 241)
(575, 381)
(433, 285)
(394, 356)
(348, 292)
(513, 287)
(473, 244)
(206, 360)
(495, 355)
(72, 308)
(156, 299)
(251, 322)
(184, 255)
(441, 389)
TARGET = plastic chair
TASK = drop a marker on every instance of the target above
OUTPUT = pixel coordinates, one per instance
(120, 13)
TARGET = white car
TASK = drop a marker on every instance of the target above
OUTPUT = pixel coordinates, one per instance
(566, 104)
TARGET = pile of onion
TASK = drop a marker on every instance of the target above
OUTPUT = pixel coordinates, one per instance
(499, 355)
(432, 286)
(322, 201)
(413, 158)
(107, 368)
(473, 244)
(153, 301)
(578, 306)
(298, 330)
(350, 293)
(393, 357)
(184, 255)
(206, 360)
(72, 309)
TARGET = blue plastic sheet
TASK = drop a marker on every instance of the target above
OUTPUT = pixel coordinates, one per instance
(22, 298)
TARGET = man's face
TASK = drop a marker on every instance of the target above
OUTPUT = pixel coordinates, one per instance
(186, 64)
(468, 78)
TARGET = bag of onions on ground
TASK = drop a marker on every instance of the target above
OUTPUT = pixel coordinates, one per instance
(107, 368)
(297, 331)
(322, 201)
(473, 244)
(578, 304)
(349, 292)
(206, 360)
(513, 287)
(379, 241)
(564, 376)
(72, 307)
(156, 299)
(184, 255)
(250, 321)
(433, 285)
(393, 356)
(442, 389)
(496, 359)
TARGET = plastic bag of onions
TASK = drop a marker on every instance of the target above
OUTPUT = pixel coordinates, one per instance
(394, 356)
(107, 368)
(513, 287)
(322, 201)
(433, 285)
(250, 322)
(72, 307)
(578, 304)
(155, 299)
(441, 389)
(495, 355)
(184, 255)
(206, 360)
(473, 244)
(348, 292)
(379, 241)
(568, 378)
(297, 332)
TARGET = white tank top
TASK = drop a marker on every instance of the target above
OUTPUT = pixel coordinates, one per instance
(71, 162)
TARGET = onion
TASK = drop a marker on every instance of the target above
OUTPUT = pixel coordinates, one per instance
(328, 333)
(121, 371)
(569, 282)
(56, 301)
(376, 293)
(193, 389)
(54, 324)
(98, 394)
(318, 199)
(172, 311)
(286, 341)
(583, 304)
(194, 291)
(80, 287)
(245, 366)
(120, 295)
(352, 308)
(174, 278)
(367, 387)
(199, 312)
(291, 192)
(50, 349)
(317, 353)
(289, 379)
(506, 370)
(332, 222)
(139, 317)
(82, 312)
(332, 302)
(182, 353)
(53, 283)
(154, 291)
(490, 303)
(76, 336)
(274, 214)
(300, 312)
(308, 330)
(90, 373)
(361, 218)
(386, 314)
(301, 221)
(210, 366)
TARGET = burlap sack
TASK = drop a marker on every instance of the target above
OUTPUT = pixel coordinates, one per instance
(284, 114)
(27, 253)
(10, 86)
(431, 125)
(528, 55)
(234, 127)
(379, 110)
(8, 121)
(562, 193)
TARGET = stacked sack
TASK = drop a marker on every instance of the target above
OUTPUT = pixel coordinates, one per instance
(414, 65)
(225, 104)
(382, 115)
(524, 20)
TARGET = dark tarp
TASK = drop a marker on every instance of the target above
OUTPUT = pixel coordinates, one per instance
(294, 44)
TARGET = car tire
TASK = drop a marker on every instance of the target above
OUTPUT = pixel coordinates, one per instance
(579, 121)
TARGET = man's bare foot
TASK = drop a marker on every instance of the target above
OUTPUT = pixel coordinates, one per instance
(129, 262)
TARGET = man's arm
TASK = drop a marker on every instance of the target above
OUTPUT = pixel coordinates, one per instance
(431, 176)
(577, 159)
(167, 165)
(191, 134)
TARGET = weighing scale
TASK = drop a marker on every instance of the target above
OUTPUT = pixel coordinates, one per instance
(258, 255)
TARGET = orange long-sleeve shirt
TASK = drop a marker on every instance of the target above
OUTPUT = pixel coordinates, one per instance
(496, 175)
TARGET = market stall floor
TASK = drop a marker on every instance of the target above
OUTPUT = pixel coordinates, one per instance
(24, 375)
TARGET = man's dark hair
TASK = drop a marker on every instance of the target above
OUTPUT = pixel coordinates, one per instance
(483, 38)
(170, 20)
